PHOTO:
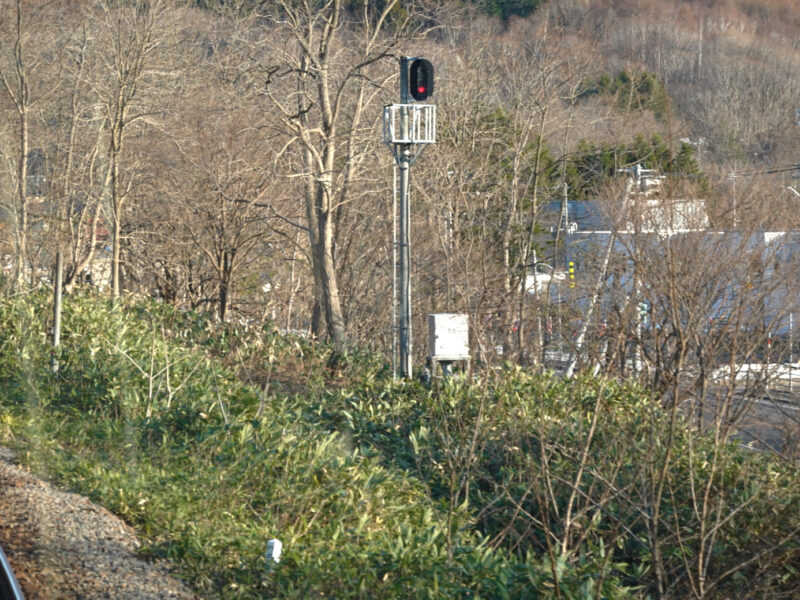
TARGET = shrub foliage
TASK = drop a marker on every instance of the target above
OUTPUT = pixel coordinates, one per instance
(211, 439)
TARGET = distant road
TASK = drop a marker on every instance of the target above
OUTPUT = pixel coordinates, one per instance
(771, 421)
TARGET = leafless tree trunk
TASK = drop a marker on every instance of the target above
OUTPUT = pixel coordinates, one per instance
(16, 85)
(320, 88)
(133, 36)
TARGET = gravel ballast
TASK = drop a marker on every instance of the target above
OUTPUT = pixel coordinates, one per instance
(62, 546)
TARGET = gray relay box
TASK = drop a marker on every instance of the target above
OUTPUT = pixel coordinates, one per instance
(448, 337)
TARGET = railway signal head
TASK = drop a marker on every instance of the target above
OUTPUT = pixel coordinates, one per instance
(421, 79)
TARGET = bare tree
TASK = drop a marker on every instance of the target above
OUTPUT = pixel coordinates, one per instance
(78, 178)
(320, 83)
(133, 35)
(223, 206)
(19, 83)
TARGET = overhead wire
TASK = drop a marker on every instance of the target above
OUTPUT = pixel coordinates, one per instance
(773, 171)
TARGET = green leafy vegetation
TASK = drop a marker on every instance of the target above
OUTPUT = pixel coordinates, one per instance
(505, 9)
(211, 439)
(640, 91)
(595, 166)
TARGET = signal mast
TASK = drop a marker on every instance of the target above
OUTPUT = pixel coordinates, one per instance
(408, 128)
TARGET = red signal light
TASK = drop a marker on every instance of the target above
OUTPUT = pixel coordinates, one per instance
(421, 79)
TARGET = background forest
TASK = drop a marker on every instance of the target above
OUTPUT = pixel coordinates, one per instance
(228, 157)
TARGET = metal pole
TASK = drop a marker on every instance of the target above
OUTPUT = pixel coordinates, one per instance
(404, 164)
(57, 309)
(394, 273)
(405, 254)
(563, 225)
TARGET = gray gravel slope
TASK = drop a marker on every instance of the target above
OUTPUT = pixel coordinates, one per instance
(62, 546)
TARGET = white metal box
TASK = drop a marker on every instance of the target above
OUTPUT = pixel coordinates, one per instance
(448, 336)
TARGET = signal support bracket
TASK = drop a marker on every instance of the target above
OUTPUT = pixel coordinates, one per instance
(419, 126)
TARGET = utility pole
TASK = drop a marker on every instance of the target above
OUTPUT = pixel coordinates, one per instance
(406, 126)
(563, 229)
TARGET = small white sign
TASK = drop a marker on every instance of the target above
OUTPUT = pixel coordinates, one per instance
(273, 553)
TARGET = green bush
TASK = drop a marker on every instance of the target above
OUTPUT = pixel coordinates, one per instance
(517, 486)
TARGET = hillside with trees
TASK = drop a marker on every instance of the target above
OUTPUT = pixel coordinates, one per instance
(215, 178)
(229, 158)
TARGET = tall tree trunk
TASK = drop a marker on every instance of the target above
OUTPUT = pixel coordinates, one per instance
(325, 87)
(330, 286)
(17, 89)
(21, 229)
(330, 320)
(117, 199)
